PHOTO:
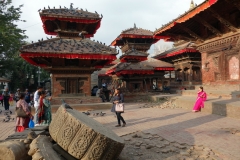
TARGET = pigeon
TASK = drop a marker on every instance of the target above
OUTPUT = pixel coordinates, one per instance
(102, 114)
(65, 104)
(87, 113)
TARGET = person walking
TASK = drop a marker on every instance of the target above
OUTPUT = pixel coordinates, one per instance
(22, 122)
(27, 96)
(1, 99)
(118, 98)
(17, 95)
(6, 96)
(44, 114)
(201, 98)
(36, 103)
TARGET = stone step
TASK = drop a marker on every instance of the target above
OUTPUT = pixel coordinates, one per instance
(222, 107)
(87, 106)
(75, 100)
(220, 87)
(214, 94)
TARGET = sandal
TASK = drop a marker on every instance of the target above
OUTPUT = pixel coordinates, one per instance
(118, 125)
(124, 124)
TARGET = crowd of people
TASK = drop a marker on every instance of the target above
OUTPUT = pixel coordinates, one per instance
(103, 92)
(26, 101)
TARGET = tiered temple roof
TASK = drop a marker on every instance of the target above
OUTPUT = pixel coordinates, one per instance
(205, 21)
(69, 49)
(72, 49)
(135, 38)
(133, 56)
(69, 22)
(140, 68)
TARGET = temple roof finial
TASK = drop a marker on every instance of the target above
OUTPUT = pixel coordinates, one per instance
(191, 5)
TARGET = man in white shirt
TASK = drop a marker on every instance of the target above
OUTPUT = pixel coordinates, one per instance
(36, 104)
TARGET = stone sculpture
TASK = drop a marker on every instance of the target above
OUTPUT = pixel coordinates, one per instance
(83, 137)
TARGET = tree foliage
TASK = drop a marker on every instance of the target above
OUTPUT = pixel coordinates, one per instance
(12, 38)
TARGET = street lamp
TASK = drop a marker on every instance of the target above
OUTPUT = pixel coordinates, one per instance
(39, 72)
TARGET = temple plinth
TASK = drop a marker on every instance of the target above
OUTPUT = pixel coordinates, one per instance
(71, 57)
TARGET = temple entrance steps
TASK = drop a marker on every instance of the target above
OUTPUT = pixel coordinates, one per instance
(220, 106)
(224, 94)
(76, 100)
(86, 107)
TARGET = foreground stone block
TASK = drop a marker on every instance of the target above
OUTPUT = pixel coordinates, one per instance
(84, 138)
(26, 134)
(13, 150)
(41, 149)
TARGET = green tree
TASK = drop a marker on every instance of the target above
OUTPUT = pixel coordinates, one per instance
(11, 37)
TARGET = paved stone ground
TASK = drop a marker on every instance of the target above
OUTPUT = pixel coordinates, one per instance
(182, 126)
(221, 134)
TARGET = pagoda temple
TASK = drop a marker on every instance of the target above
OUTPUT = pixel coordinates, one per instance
(134, 70)
(71, 57)
(214, 26)
(186, 60)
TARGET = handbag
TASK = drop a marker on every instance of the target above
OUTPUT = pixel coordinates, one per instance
(119, 107)
(20, 112)
(31, 124)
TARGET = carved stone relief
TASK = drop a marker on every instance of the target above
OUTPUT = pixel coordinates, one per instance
(84, 138)
(68, 132)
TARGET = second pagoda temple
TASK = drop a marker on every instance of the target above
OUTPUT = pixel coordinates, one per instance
(136, 71)
(71, 57)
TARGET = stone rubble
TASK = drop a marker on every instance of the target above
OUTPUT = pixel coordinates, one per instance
(165, 102)
(160, 148)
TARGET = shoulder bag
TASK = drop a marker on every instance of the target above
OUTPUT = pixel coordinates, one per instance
(119, 107)
(20, 112)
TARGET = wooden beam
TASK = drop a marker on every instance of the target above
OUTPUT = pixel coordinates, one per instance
(179, 37)
(206, 24)
(223, 20)
(191, 33)
(235, 3)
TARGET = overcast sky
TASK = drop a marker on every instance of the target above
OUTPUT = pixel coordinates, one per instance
(118, 15)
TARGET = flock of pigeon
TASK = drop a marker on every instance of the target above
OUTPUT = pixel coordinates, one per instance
(70, 11)
(94, 114)
(8, 116)
(70, 45)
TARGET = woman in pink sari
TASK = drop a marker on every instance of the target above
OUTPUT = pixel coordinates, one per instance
(201, 98)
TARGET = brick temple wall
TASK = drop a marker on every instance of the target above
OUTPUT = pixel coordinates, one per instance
(224, 75)
(60, 87)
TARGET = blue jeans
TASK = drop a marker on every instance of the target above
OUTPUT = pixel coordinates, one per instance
(6, 103)
(120, 118)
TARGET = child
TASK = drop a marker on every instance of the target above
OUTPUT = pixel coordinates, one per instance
(11, 99)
